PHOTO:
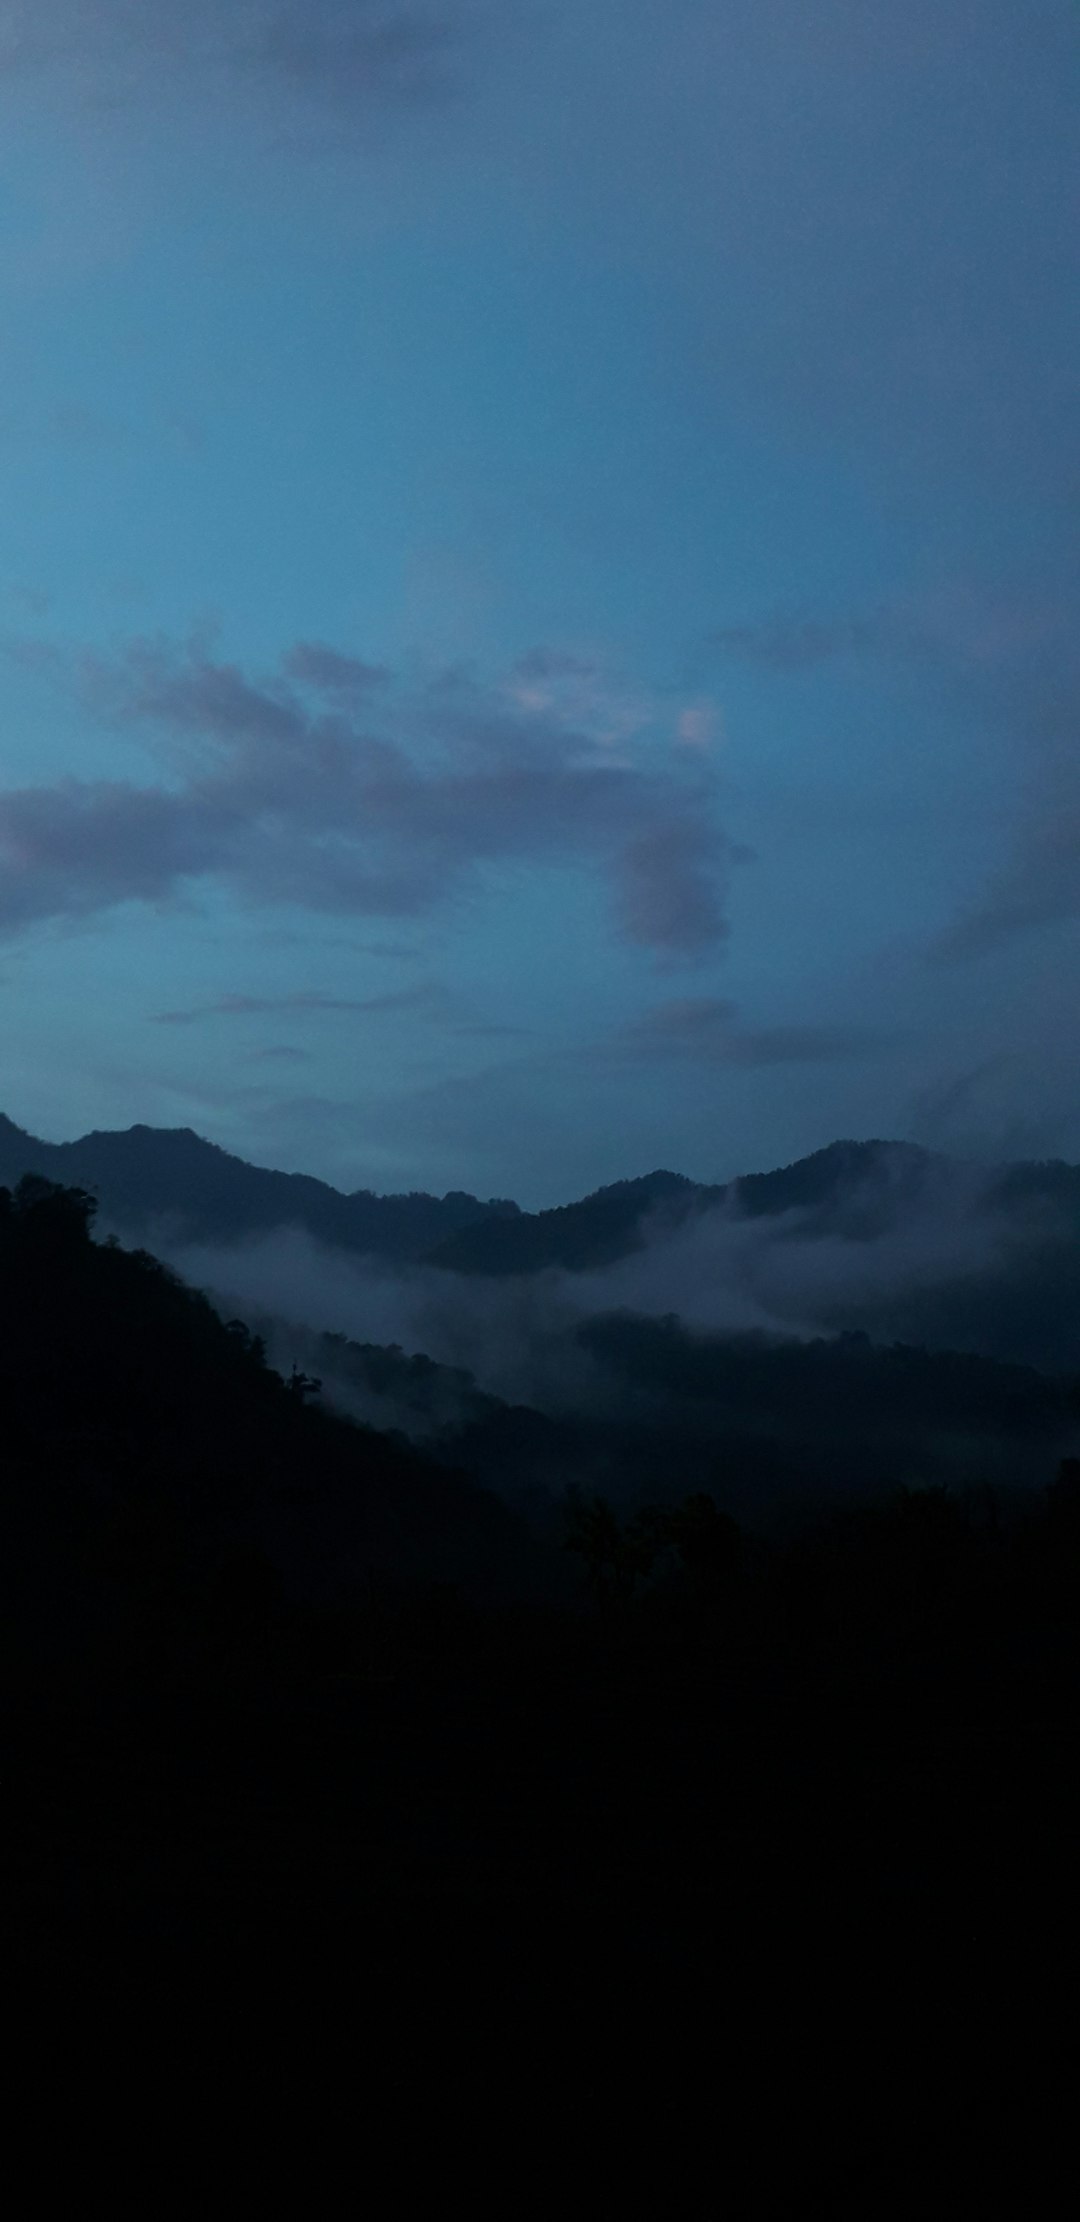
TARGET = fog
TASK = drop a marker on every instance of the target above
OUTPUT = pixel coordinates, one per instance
(872, 1262)
(773, 1358)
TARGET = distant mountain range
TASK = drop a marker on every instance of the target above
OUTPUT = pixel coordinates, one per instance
(146, 1177)
(149, 1177)
(636, 1400)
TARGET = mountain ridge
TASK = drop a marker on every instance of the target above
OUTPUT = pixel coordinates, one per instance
(148, 1177)
(144, 1175)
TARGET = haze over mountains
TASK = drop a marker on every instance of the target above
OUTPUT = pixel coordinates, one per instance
(150, 1178)
(870, 1316)
(147, 1176)
(270, 1674)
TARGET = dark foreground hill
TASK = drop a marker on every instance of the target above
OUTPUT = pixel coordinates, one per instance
(751, 1866)
(773, 1428)
(135, 1420)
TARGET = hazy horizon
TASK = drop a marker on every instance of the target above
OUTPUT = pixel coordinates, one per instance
(521, 1194)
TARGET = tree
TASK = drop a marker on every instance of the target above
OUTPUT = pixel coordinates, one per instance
(616, 1557)
(56, 1219)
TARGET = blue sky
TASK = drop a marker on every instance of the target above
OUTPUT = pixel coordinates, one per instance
(538, 580)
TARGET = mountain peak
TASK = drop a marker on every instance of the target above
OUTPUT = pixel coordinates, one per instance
(148, 1177)
(657, 1183)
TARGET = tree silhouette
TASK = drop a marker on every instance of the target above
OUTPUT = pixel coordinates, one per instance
(615, 1557)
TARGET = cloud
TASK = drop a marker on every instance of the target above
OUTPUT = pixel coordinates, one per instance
(1035, 697)
(786, 643)
(974, 1113)
(709, 1030)
(431, 998)
(959, 629)
(576, 690)
(1038, 887)
(339, 52)
(285, 800)
(671, 889)
(700, 725)
(553, 663)
(923, 1252)
(344, 679)
(1005, 658)
(84, 846)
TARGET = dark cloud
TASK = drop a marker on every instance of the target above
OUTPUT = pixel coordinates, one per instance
(342, 678)
(710, 1030)
(81, 847)
(671, 888)
(430, 998)
(553, 663)
(284, 800)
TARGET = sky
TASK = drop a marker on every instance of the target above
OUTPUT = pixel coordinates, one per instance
(539, 564)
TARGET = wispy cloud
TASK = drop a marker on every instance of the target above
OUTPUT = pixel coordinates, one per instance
(710, 1030)
(1038, 886)
(791, 644)
(957, 627)
(1007, 660)
(429, 998)
(282, 793)
(1032, 691)
(670, 895)
(346, 679)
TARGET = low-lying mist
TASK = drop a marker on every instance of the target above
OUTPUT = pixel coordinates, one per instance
(953, 1271)
(685, 1354)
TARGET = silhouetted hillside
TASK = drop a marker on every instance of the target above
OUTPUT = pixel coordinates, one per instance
(875, 1237)
(884, 1178)
(807, 1387)
(880, 1179)
(298, 1736)
(643, 1409)
(140, 1432)
(852, 1191)
(147, 1176)
(595, 1232)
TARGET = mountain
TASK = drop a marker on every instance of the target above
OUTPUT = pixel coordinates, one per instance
(146, 1176)
(878, 1178)
(857, 1189)
(142, 1432)
(877, 1237)
(300, 1733)
(644, 1410)
(880, 1237)
(579, 1237)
